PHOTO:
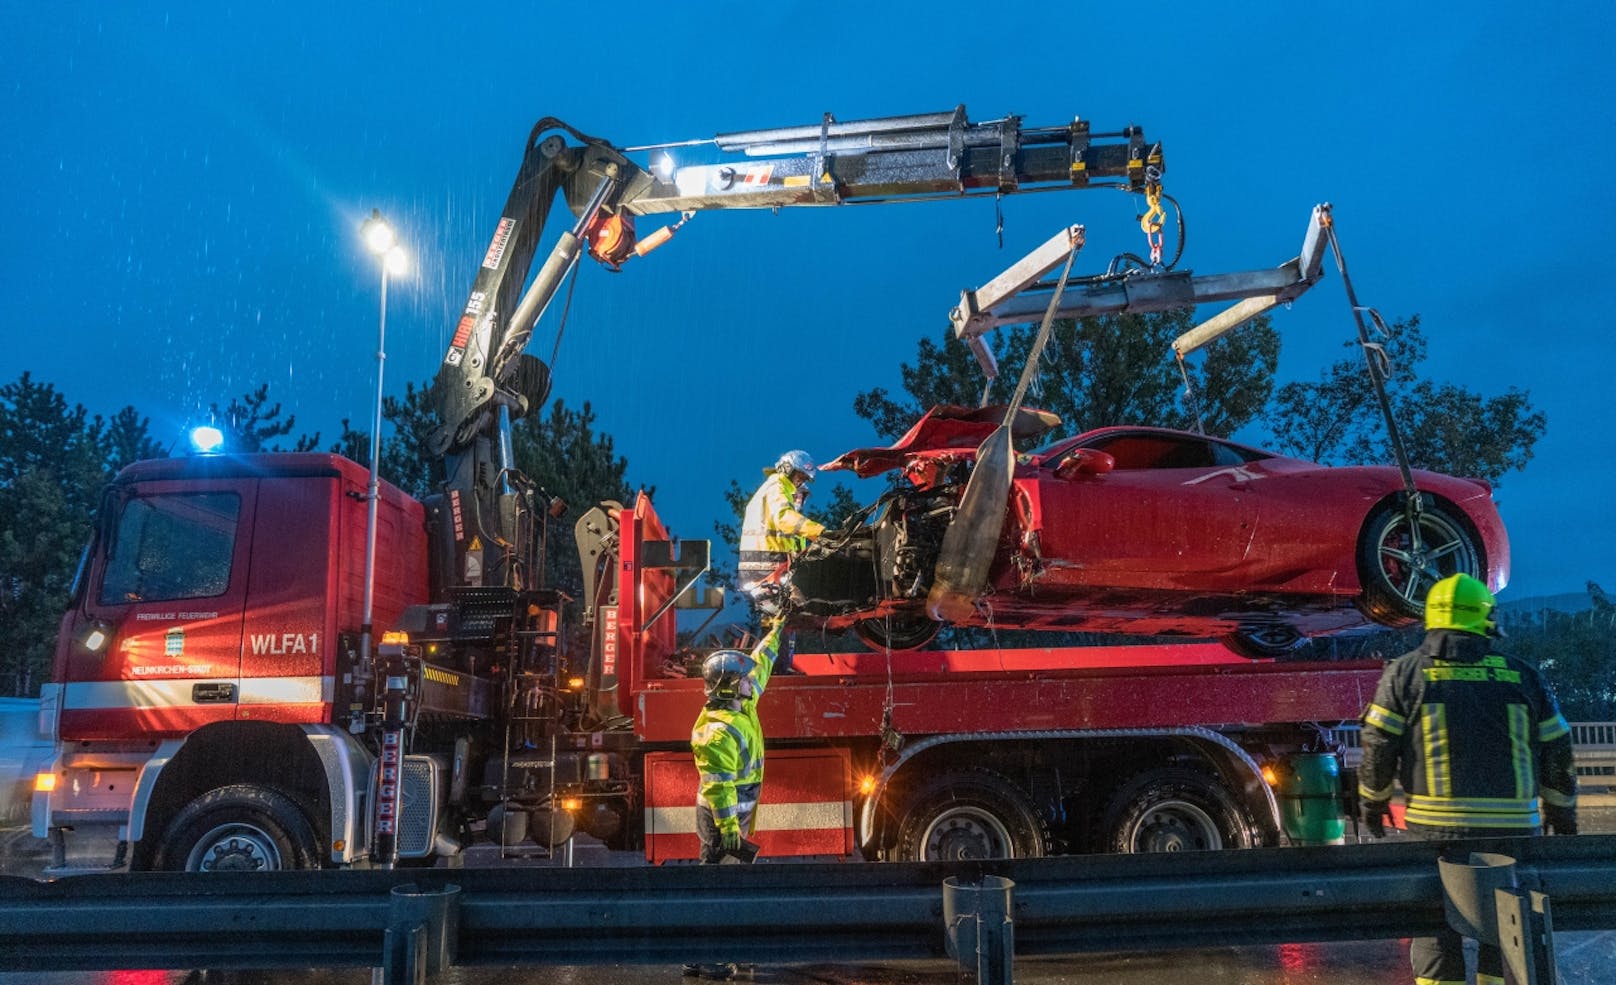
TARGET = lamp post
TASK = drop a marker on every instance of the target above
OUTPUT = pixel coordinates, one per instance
(383, 244)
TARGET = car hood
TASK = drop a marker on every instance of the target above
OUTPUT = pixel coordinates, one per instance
(944, 428)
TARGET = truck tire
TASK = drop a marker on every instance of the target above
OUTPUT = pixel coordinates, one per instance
(1173, 809)
(969, 814)
(239, 828)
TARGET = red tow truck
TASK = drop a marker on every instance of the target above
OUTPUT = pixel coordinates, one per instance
(221, 702)
(958, 754)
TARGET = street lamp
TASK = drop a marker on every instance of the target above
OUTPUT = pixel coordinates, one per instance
(383, 244)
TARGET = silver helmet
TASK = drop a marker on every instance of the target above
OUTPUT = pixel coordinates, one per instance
(796, 460)
(725, 673)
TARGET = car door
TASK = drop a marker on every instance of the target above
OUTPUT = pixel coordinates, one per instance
(1176, 512)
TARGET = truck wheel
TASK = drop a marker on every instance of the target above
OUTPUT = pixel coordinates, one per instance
(969, 814)
(1173, 810)
(239, 828)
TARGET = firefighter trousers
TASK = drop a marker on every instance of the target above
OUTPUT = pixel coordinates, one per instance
(1440, 960)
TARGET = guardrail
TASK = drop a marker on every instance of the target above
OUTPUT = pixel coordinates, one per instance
(1593, 745)
(413, 923)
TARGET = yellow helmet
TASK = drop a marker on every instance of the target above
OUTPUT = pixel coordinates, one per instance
(1460, 602)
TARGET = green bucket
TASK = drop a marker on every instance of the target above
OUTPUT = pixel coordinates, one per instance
(1310, 799)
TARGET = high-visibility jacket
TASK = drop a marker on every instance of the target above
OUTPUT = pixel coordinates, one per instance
(1474, 736)
(728, 744)
(772, 528)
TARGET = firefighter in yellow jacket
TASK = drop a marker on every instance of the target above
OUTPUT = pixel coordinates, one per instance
(1477, 742)
(773, 527)
(728, 744)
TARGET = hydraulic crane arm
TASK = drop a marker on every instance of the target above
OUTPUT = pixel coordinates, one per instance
(906, 158)
(486, 380)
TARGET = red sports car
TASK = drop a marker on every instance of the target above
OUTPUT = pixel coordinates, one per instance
(1148, 531)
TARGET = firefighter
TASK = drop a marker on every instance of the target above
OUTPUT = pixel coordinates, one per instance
(774, 527)
(1477, 741)
(727, 741)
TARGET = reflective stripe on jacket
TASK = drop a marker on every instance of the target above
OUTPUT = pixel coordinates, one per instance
(772, 527)
(728, 745)
(1474, 736)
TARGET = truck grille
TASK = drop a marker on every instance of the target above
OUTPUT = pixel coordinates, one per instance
(418, 805)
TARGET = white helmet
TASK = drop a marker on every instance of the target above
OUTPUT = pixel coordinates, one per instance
(724, 675)
(796, 460)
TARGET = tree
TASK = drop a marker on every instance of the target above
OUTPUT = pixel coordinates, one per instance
(123, 440)
(54, 460)
(1445, 427)
(1575, 650)
(1109, 369)
(564, 454)
(250, 424)
(404, 457)
(403, 461)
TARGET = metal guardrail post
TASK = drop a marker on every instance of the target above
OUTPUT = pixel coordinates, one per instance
(1526, 933)
(981, 931)
(423, 933)
(1482, 902)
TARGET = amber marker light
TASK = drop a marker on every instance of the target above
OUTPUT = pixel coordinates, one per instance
(867, 784)
(1269, 776)
(44, 782)
(571, 803)
(575, 683)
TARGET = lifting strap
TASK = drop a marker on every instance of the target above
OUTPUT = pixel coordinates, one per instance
(1378, 365)
(1190, 397)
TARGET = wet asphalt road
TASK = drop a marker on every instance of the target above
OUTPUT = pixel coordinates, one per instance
(1584, 958)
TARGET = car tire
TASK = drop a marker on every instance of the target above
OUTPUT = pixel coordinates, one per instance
(969, 814)
(1173, 809)
(1395, 579)
(239, 828)
(1268, 641)
(898, 632)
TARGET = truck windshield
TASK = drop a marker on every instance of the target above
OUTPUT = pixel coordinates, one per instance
(172, 547)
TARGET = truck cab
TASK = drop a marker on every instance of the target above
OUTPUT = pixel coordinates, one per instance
(217, 610)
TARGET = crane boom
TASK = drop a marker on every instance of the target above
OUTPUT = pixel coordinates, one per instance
(486, 380)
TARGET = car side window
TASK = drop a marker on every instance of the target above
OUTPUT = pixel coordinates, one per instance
(1158, 451)
(1224, 456)
(172, 547)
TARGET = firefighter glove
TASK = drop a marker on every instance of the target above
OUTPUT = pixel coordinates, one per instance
(1561, 820)
(732, 839)
(1375, 813)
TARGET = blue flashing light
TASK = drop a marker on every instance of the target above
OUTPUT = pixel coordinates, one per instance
(206, 439)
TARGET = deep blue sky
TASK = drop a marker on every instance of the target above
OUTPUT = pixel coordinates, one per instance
(182, 184)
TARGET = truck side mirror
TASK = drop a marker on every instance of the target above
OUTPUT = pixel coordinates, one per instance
(1084, 462)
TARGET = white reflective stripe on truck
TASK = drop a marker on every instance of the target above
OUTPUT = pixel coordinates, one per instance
(86, 695)
(804, 816)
